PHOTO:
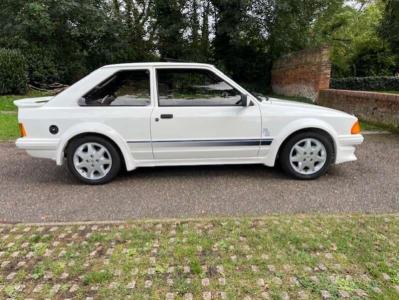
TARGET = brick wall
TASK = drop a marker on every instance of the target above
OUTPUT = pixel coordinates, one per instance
(302, 73)
(369, 106)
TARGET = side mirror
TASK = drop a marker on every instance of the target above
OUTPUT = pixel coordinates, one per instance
(244, 100)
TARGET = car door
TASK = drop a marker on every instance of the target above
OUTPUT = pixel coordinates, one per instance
(199, 117)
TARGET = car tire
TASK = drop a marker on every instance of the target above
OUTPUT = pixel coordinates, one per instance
(93, 160)
(307, 155)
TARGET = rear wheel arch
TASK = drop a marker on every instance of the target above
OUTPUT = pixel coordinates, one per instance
(87, 134)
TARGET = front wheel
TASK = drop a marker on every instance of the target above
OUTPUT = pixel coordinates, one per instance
(307, 155)
(93, 160)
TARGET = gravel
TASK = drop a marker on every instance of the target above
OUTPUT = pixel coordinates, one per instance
(36, 190)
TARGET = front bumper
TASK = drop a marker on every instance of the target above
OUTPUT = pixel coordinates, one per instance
(346, 148)
(42, 148)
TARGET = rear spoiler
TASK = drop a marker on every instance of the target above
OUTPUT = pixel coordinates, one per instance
(32, 102)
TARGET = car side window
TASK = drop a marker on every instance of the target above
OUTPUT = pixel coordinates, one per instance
(125, 88)
(194, 87)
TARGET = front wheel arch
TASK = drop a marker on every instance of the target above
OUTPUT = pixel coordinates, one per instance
(310, 129)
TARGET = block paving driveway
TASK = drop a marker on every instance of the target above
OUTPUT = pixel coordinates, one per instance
(271, 258)
(35, 190)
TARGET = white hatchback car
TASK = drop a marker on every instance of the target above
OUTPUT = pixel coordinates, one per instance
(175, 114)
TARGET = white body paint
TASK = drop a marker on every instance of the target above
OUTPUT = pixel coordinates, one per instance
(144, 142)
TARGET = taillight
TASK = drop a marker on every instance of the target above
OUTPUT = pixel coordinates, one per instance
(356, 129)
(22, 130)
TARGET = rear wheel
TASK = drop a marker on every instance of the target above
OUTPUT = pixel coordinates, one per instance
(93, 160)
(307, 155)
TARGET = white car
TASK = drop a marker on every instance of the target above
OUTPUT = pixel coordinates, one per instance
(178, 114)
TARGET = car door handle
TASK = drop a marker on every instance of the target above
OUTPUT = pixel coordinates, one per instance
(167, 116)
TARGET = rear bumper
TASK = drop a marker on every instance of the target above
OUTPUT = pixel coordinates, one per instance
(346, 148)
(43, 148)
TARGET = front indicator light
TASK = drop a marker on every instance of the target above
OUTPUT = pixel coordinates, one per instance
(356, 129)
(22, 130)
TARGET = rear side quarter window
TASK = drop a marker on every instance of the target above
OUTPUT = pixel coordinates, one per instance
(124, 88)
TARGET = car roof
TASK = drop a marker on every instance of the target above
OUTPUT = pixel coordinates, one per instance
(159, 64)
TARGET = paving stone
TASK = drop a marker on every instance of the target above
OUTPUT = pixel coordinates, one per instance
(220, 269)
(186, 269)
(25, 245)
(315, 279)
(344, 294)
(38, 288)
(386, 277)
(360, 293)
(5, 264)
(325, 294)
(223, 295)
(147, 284)
(285, 296)
(204, 268)
(265, 295)
(271, 268)
(233, 258)
(255, 269)
(307, 269)
(54, 290)
(321, 267)
(48, 275)
(294, 281)
(397, 288)
(247, 298)
(21, 264)
(277, 281)
(15, 254)
(11, 276)
(205, 282)
(170, 296)
(135, 271)
(9, 245)
(131, 285)
(19, 287)
(151, 271)
(207, 295)
(260, 282)
(153, 260)
(377, 290)
(30, 254)
(222, 281)
(62, 253)
(329, 256)
(74, 288)
(64, 275)
(169, 281)
(302, 295)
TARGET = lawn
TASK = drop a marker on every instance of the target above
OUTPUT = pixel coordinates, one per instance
(278, 256)
(8, 126)
(8, 117)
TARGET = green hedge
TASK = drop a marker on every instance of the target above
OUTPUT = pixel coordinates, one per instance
(366, 83)
(13, 72)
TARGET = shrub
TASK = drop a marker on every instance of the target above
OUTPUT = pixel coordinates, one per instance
(366, 83)
(13, 72)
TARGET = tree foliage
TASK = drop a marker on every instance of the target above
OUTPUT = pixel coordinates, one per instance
(64, 40)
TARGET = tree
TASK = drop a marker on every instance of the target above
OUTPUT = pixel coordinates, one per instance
(389, 28)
